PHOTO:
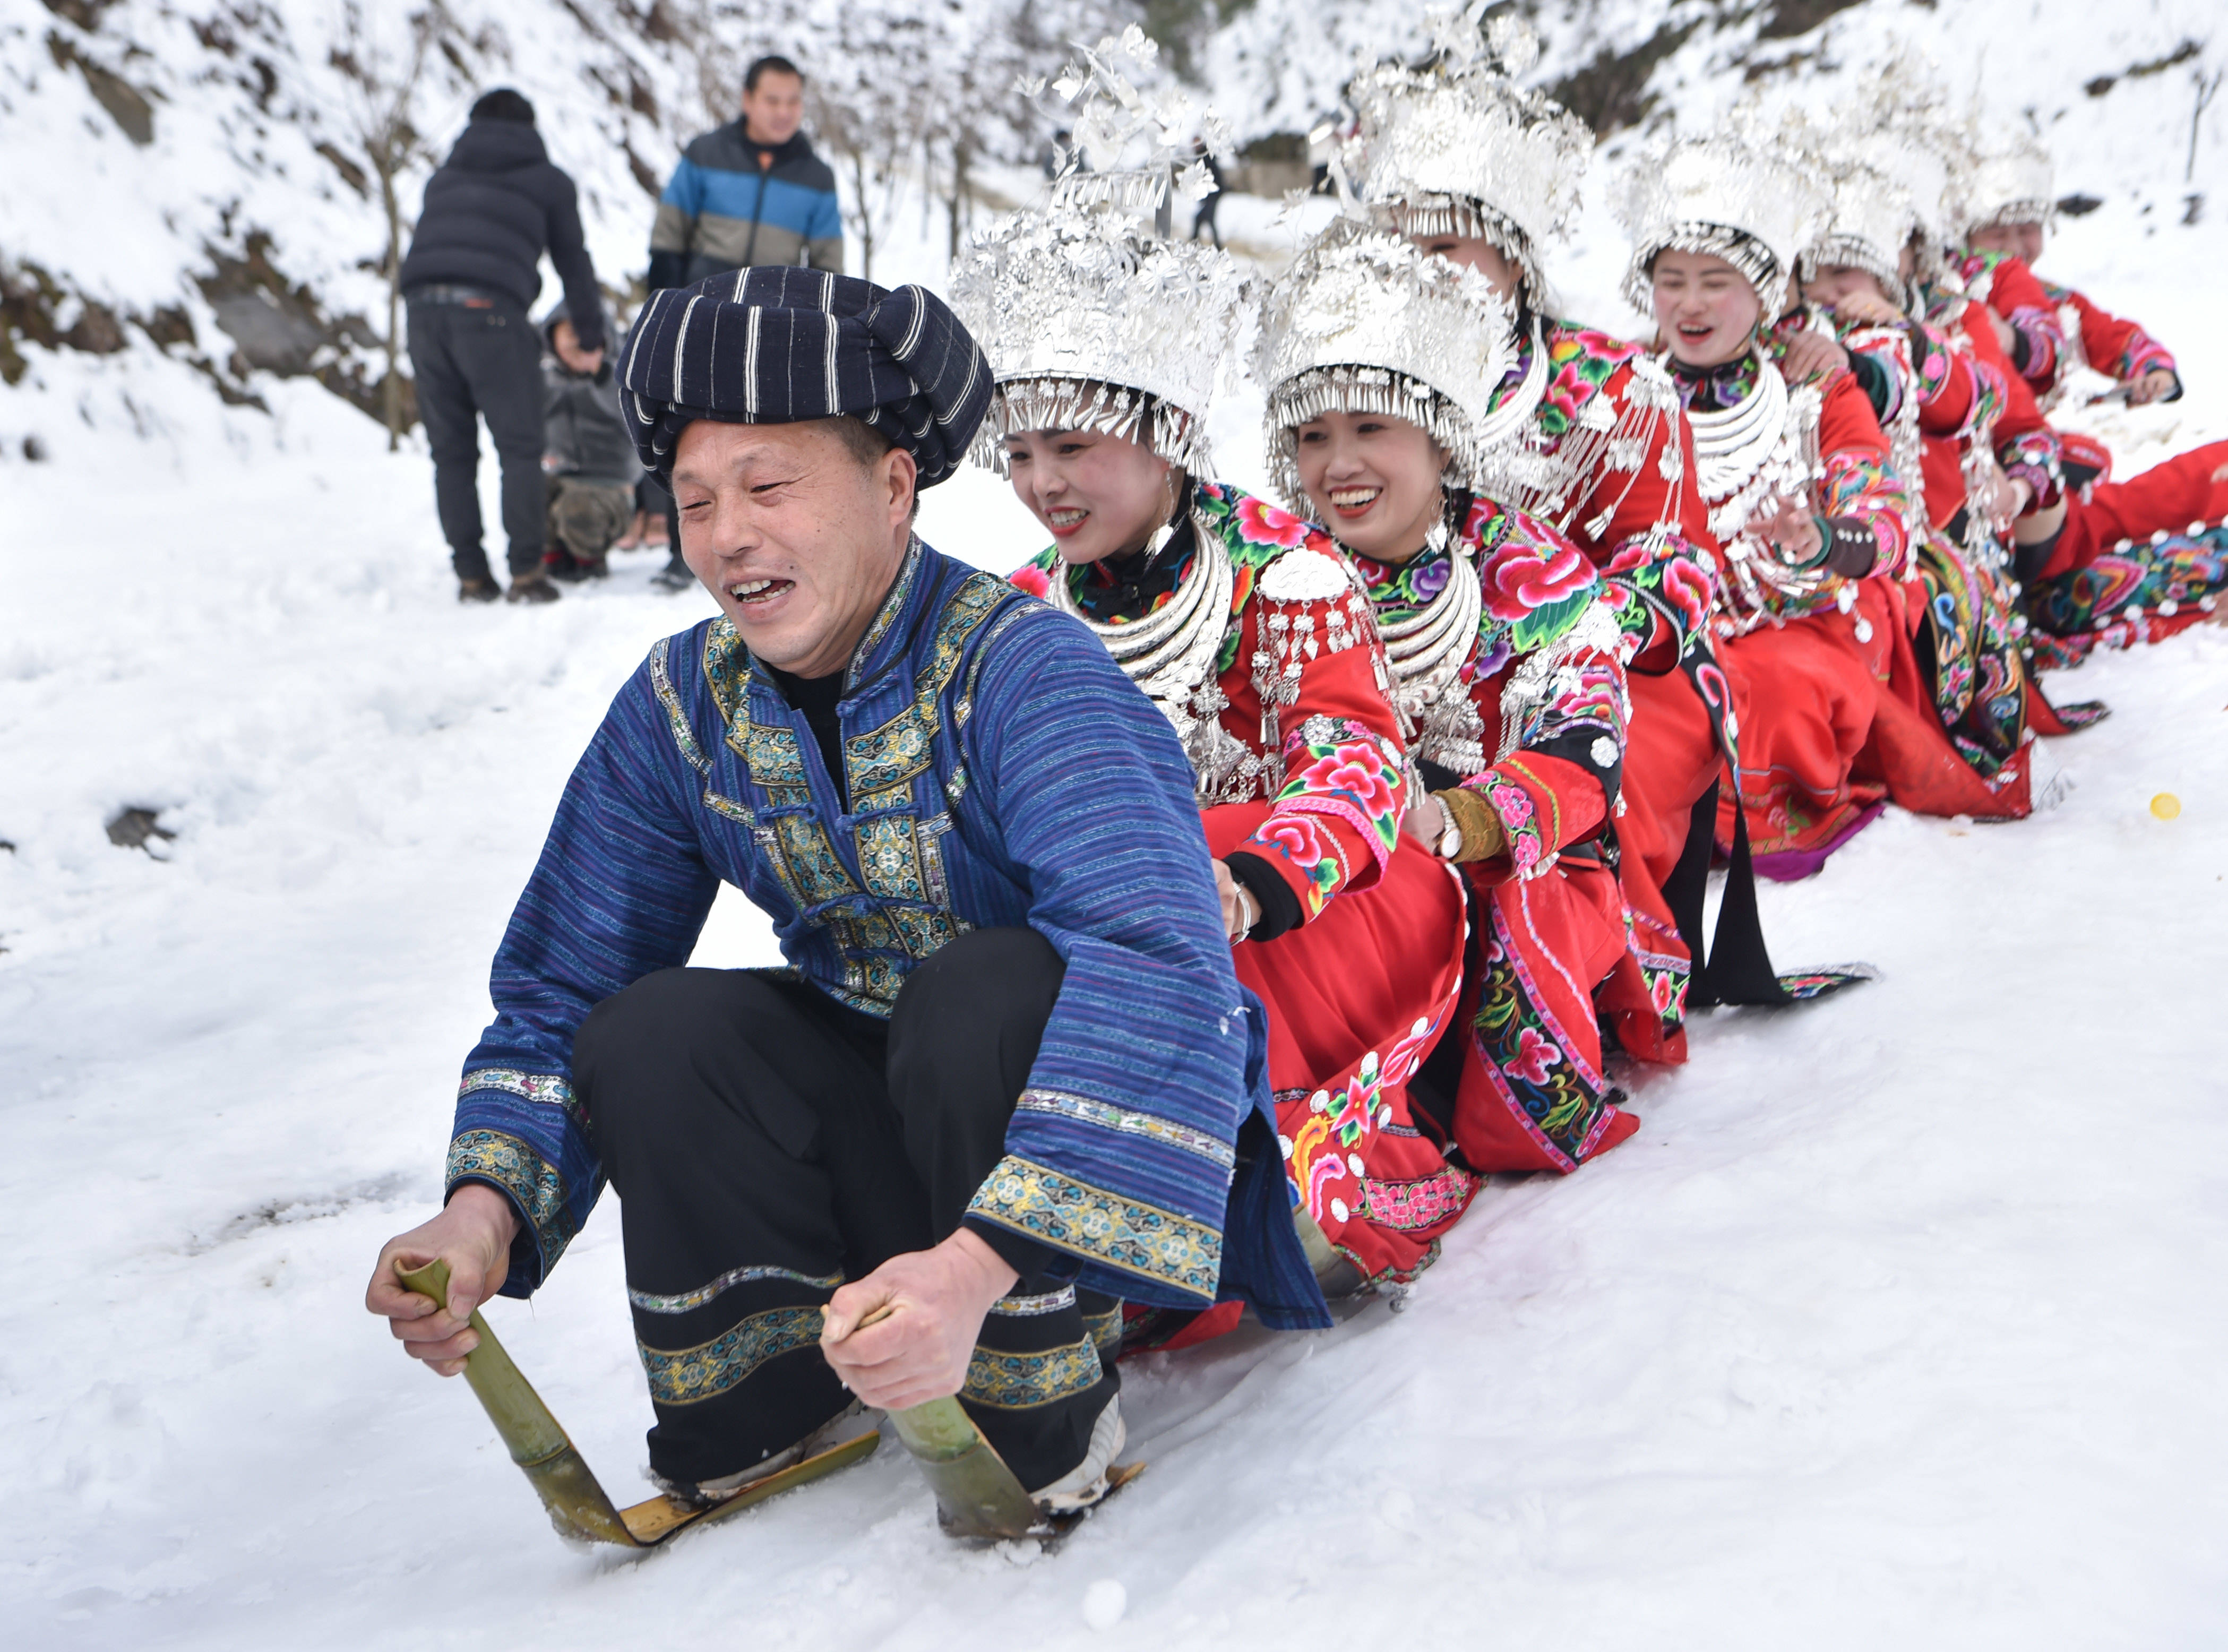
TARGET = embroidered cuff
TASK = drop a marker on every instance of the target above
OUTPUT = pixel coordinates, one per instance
(1482, 834)
(1102, 1227)
(536, 1191)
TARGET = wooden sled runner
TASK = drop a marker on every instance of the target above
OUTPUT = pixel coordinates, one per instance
(977, 1497)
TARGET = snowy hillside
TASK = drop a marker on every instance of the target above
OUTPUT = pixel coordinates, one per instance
(1896, 1325)
(190, 212)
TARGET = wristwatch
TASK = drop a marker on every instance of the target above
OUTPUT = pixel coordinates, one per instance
(1449, 846)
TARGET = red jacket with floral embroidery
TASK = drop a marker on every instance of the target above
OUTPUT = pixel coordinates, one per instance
(1859, 484)
(2007, 286)
(1298, 693)
(2120, 349)
(1957, 401)
(1609, 461)
(1540, 730)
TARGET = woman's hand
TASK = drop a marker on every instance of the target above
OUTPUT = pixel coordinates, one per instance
(1240, 912)
(2004, 497)
(1868, 308)
(1790, 529)
(1811, 357)
(1426, 819)
(2159, 382)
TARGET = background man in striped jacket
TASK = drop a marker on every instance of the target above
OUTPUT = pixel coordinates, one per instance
(749, 192)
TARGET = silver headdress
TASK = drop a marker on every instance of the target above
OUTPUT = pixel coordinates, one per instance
(1869, 214)
(1461, 148)
(1090, 325)
(2010, 181)
(1727, 195)
(1091, 320)
(1908, 132)
(1362, 321)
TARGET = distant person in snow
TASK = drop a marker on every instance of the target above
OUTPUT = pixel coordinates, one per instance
(494, 208)
(749, 192)
(1204, 218)
(586, 451)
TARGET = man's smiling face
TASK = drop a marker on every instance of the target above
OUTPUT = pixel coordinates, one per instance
(795, 535)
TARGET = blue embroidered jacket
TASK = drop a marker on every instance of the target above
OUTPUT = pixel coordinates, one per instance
(1001, 771)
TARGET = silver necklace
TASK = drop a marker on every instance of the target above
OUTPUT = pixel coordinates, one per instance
(1170, 652)
(1732, 444)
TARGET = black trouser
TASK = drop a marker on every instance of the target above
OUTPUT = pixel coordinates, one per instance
(768, 1144)
(477, 362)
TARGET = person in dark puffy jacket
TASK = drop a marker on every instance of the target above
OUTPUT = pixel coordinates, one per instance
(492, 211)
(590, 459)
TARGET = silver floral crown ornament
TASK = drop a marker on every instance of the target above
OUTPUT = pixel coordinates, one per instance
(1458, 148)
(1090, 319)
(1362, 321)
(1726, 195)
(2009, 181)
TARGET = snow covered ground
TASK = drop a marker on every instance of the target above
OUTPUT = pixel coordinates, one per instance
(1898, 1324)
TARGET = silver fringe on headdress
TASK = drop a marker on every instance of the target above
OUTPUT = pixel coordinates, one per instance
(1727, 195)
(2010, 181)
(1460, 149)
(1092, 321)
(1362, 321)
(1869, 215)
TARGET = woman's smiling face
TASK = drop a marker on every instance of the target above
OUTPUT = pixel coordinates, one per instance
(1098, 495)
(1705, 309)
(1374, 479)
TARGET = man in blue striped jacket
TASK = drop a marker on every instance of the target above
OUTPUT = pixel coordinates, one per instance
(1009, 1077)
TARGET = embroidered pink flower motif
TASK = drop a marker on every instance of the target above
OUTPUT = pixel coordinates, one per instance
(1296, 835)
(1262, 524)
(1513, 803)
(1034, 581)
(1662, 991)
(1631, 554)
(1535, 1056)
(1522, 578)
(1357, 771)
(1686, 588)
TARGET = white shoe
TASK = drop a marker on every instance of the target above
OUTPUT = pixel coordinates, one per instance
(1085, 1483)
(849, 1423)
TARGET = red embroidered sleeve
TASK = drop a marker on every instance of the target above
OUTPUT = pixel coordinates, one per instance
(2116, 346)
(1643, 523)
(1858, 483)
(2015, 294)
(1316, 663)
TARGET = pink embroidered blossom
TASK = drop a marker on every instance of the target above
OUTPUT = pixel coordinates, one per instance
(1261, 523)
(1520, 579)
(1686, 588)
(1356, 771)
(1034, 581)
(1535, 1056)
(1296, 835)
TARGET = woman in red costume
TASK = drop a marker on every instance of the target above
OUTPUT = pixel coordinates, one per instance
(1476, 170)
(1813, 525)
(1380, 362)
(1941, 408)
(1244, 626)
(2138, 560)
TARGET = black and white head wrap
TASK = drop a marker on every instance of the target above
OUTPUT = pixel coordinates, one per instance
(778, 343)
